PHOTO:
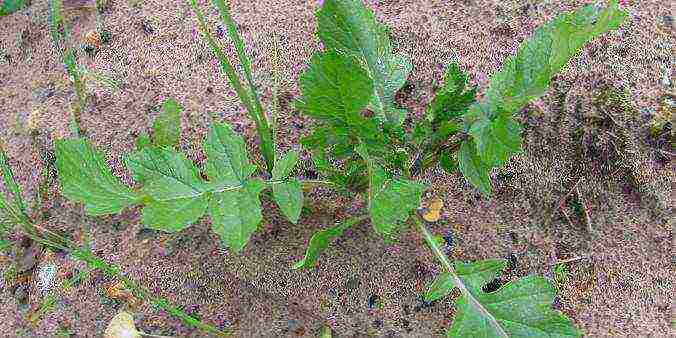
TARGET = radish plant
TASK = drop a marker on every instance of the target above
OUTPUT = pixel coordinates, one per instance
(360, 144)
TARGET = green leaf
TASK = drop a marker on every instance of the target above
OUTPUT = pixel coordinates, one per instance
(475, 171)
(523, 78)
(284, 165)
(448, 162)
(320, 241)
(395, 73)
(167, 126)
(453, 98)
(497, 139)
(175, 195)
(440, 287)
(175, 214)
(390, 200)
(289, 197)
(143, 141)
(85, 178)
(289, 193)
(517, 309)
(335, 88)
(228, 161)
(237, 213)
(526, 75)
(348, 27)
(235, 207)
(11, 6)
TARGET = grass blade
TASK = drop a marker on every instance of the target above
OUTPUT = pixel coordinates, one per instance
(251, 100)
(12, 186)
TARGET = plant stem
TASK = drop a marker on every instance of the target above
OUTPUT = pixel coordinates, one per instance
(446, 264)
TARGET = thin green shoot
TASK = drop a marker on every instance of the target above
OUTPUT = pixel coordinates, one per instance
(60, 37)
(251, 100)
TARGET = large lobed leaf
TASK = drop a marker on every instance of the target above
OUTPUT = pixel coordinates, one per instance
(523, 78)
(349, 27)
(173, 191)
(175, 194)
(335, 88)
(235, 207)
(518, 309)
(85, 178)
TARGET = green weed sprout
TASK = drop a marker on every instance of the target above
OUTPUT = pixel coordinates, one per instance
(375, 155)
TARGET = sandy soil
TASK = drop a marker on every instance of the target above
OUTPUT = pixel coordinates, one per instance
(591, 184)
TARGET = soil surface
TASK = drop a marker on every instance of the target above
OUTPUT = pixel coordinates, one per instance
(593, 188)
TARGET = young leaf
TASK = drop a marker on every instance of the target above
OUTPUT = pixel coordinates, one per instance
(236, 214)
(348, 27)
(228, 161)
(84, 177)
(497, 139)
(335, 88)
(517, 309)
(167, 126)
(175, 195)
(288, 193)
(475, 171)
(390, 200)
(440, 287)
(526, 76)
(235, 207)
(320, 241)
(453, 98)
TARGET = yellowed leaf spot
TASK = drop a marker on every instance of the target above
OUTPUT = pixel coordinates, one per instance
(122, 326)
(93, 38)
(433, 211)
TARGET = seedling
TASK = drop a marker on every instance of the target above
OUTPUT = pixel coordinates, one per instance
(361, 145)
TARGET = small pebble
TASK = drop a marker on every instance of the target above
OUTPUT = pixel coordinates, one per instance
(46, 278)
(373, 301)
(20, 294)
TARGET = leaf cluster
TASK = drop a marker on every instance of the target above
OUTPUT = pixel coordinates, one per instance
(362, 143)
(172, 189)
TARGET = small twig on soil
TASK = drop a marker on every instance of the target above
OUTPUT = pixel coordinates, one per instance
(569, 260)
(584, 207)
(667, 153)
(563, 200)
